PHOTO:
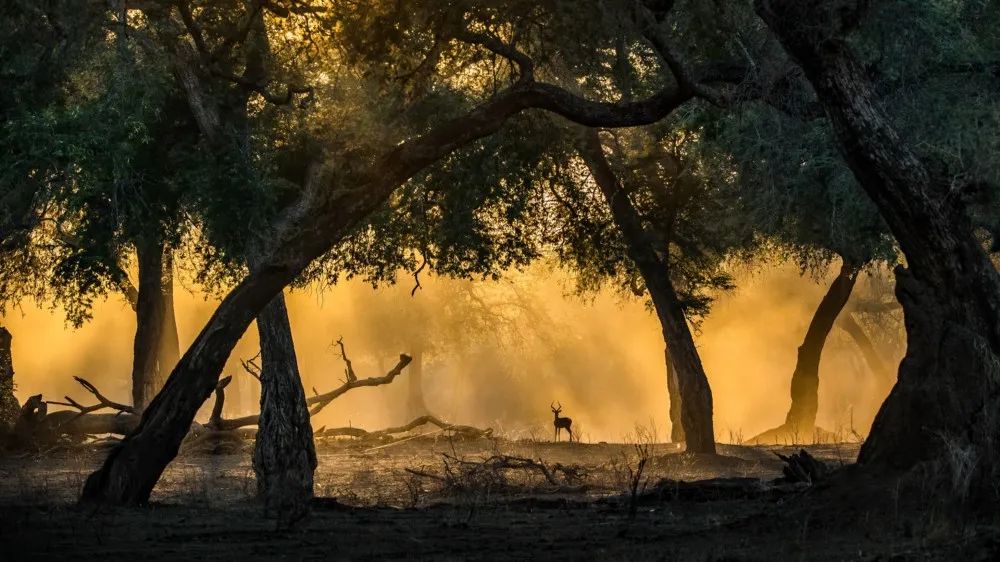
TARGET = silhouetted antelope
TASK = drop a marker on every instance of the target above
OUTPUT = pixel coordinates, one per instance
(561, 423)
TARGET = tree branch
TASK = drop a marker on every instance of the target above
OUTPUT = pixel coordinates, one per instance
(322, 400)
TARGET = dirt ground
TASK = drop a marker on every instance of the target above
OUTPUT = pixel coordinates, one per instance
(432, 498)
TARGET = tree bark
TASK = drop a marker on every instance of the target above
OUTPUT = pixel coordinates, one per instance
(9, 407)
(949, 381)
(801, 417)
(168, 350)
(284, 457)
(150, 316)
(155, 348)
(674, 394)
(415, 404)
(681, 354)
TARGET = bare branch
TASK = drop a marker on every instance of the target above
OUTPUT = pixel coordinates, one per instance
(321, 401)
(251, 367)
(215, 420)
(102, 401)
(349, 371)
(318, 402)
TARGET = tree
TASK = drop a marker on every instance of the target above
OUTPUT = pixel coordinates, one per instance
(949, 288)
(803, 204)
(338, 185)
(80, 209)
(677, 240)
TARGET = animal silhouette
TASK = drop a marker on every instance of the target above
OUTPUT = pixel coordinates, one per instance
(561, 423)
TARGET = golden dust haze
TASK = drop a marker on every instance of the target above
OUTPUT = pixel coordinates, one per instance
(600, 356)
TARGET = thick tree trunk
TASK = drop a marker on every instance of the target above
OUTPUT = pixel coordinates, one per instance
(150, 315)
(674, 394)
(134, 466)
(415, 404)
(949, 381)
(9, 408)
(284, 457)
(801, 417)
(695, 393)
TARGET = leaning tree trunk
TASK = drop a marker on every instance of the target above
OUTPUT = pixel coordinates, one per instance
(150, 314)
(133, 466)
(801, 417)
(681, 354)
(949, 381)
(284, 456)
(415, 404)
(9, 408)
(674, 394)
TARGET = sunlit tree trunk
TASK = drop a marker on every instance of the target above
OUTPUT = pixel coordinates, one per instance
(674, 394)
(150, 316)
(949, 381)
(156, 348)
(801, 417)
(169, 347)
(682, 354)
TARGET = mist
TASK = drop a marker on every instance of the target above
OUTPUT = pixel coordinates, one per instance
(494, 353)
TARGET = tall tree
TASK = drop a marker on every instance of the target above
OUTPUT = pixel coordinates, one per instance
(949, 288)
(677, 240)
(80, 210)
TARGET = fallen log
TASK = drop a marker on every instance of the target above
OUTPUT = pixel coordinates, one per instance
(802, 467)
(466, 431)
(38, 428)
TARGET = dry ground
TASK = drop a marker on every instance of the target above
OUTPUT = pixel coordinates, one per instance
(374, 508)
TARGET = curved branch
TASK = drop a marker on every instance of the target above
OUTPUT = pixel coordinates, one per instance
(321, 401)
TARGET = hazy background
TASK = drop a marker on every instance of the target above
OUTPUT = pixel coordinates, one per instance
(494, 354)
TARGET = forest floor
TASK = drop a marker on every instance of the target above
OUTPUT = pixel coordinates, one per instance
(436, 498)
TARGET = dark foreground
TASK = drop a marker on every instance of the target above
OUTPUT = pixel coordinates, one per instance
(372, 507)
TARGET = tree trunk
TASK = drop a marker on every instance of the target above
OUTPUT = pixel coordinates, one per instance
(682, 354)
(168, 350)
(415, 404)
(150, 315)
(9, 408)
(284, 456)
(801, 417)
(134, 466)
(674, 393)
(949, 381)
